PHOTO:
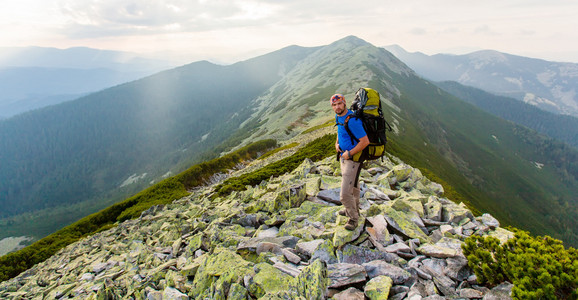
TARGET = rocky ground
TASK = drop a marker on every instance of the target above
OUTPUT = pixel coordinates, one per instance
(282, 239)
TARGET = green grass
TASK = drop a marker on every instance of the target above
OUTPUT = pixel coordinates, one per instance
(288, 146)
(315, 150)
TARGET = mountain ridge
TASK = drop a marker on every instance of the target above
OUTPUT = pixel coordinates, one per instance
(545, 84)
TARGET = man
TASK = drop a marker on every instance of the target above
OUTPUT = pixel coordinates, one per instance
(349, 149)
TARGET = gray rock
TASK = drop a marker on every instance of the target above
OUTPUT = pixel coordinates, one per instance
(308, 248)
(434, 250)
(359, 255)
(342, 274)
(457, 268)
(271, 232)
(268, 247)
(288, 269)
(378, 268)
(331, 196)
(471, 293)
(87, 277)
(173, 294)
(350, 294)
(312, 281)
(290, 256)
(375, 194)
(398, 247)
(284, 242)
(502, 291)
(490, 221)
(99, 267)
(455, 213)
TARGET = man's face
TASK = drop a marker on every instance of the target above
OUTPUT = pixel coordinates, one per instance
(338, 108)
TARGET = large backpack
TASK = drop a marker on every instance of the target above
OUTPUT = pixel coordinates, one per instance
(367, 107)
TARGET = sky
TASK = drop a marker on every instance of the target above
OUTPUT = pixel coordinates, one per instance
(231, 30)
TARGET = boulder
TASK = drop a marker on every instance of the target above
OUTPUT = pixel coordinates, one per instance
(400, 223)
(490, 221)
(342, 274)
(378, 268)
(268, 279)
(455, 213)
(350, 294)
(502, 291)
(359, 255)
(313, 281)
(378, 288)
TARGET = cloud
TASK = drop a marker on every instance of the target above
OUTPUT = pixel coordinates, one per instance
(418, 31)
(94, 18)
(485, 29)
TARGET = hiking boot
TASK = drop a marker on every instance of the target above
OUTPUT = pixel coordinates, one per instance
(351, 225)
(342, 212)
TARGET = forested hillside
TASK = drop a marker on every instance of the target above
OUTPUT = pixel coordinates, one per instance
(86, 149)
(561, 127)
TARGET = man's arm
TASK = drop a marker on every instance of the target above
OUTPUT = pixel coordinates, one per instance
(337, 145)
(363, 142)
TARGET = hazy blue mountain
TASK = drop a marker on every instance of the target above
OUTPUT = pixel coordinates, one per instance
(78, 58)
(120, 139)
(35, 77)
(551, 86)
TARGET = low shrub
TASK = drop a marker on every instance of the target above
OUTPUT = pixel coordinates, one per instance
(539, 267)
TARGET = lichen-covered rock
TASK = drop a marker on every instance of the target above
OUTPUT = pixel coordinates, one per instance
(402, 224)
(343, 236)
(313, 281)
(378, 288)
(268, 279)
(359, 255)
(455, 213)
(501, 234)
(221, 262)
(278, 240)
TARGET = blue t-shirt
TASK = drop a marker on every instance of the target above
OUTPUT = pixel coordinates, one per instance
(356, 127)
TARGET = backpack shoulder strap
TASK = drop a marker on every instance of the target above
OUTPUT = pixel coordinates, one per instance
(346, 125)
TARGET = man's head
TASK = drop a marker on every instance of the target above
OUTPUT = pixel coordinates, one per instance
(338, 104)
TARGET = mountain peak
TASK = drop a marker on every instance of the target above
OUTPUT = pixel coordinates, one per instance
(351, 40)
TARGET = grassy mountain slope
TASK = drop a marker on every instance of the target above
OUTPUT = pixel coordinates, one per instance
(87, 149)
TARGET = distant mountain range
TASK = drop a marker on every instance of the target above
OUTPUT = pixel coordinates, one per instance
(70, 157)
(34, 77)
(551, 86)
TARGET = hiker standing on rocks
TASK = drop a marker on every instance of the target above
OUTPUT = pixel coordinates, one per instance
(349, 151)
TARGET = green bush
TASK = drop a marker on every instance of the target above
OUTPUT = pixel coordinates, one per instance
(288, 146)
(315, 150)
(539, 267)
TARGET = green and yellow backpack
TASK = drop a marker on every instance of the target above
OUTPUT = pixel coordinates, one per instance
(367, 107)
